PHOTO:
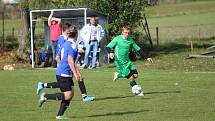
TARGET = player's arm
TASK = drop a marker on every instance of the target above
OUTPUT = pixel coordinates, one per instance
(102, 33)
(141, 52)
(83, 33)
(57, 19)
(50, 18)
(73, 67)
(79, 74)
(110, 52)
(57, 58)
(143, 55)
(110, 48)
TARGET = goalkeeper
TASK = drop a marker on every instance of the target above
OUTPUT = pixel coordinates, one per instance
(118, 48)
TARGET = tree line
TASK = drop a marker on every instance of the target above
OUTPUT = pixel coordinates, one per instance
(118, 12)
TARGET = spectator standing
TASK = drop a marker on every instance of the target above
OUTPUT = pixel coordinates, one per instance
(92, 34)
(55, 31)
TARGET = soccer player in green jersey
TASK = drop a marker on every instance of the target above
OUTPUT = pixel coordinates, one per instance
(118, 49)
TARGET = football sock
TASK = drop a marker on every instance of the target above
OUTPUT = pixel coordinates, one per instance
(63, 107)
(84, 96)
(44, 85)
(57, 96)
(82, 87)
(132, 83)
(51, 85)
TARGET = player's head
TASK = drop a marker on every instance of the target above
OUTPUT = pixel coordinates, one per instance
(67, 27)
(126, 30)
(73, 34)
(93, 21)
(53, 21)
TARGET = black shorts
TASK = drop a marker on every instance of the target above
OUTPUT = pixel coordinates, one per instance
(65, 83)
(131, 73)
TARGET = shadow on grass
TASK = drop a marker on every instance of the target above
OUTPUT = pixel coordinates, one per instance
(163, 92)
(118, 113)
(115, 97)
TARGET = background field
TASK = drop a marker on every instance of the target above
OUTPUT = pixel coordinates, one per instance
(187, 20)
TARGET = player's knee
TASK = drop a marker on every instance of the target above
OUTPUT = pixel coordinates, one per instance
(68, 95)
(135, 75)
(131, 78)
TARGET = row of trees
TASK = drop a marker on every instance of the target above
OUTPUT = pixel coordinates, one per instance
(119, 13)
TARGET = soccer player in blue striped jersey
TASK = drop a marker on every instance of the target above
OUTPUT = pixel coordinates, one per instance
(64, 36)
(67, 57)
(61, 40)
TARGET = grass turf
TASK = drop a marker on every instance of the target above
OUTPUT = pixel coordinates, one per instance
(169, 95)
(175, 89)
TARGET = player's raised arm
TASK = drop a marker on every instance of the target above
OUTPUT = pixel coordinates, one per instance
(50, 18)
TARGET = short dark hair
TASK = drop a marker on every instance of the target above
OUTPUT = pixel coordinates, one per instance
(73, 33)
(66, 26)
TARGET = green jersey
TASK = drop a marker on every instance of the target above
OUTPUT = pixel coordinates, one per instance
(121, 48)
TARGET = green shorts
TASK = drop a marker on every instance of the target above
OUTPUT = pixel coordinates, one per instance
(124, 67)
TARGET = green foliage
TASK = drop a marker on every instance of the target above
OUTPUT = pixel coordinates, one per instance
(119, 13)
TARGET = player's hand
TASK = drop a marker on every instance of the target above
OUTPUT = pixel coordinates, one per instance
(111, 55)
(150, 60)
(76, 77)
(80, 77)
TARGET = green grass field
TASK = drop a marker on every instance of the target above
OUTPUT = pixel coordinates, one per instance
(176, 89)
(185, 20)
(169, 96)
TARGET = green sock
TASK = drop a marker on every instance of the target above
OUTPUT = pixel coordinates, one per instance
(132, 83)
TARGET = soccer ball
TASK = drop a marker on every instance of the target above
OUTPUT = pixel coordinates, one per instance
(136, 89)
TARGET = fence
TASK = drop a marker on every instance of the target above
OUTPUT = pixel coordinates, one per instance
(11, 33)
(183, 32)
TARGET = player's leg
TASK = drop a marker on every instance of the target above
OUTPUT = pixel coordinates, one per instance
(45, 96)
(86, 56)
(120, 69)
(66, 86)
(83, 90)
(95, 49)
(132, 76)
(54, 50)
(97, 58)
(42, 85)
(65, 104)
